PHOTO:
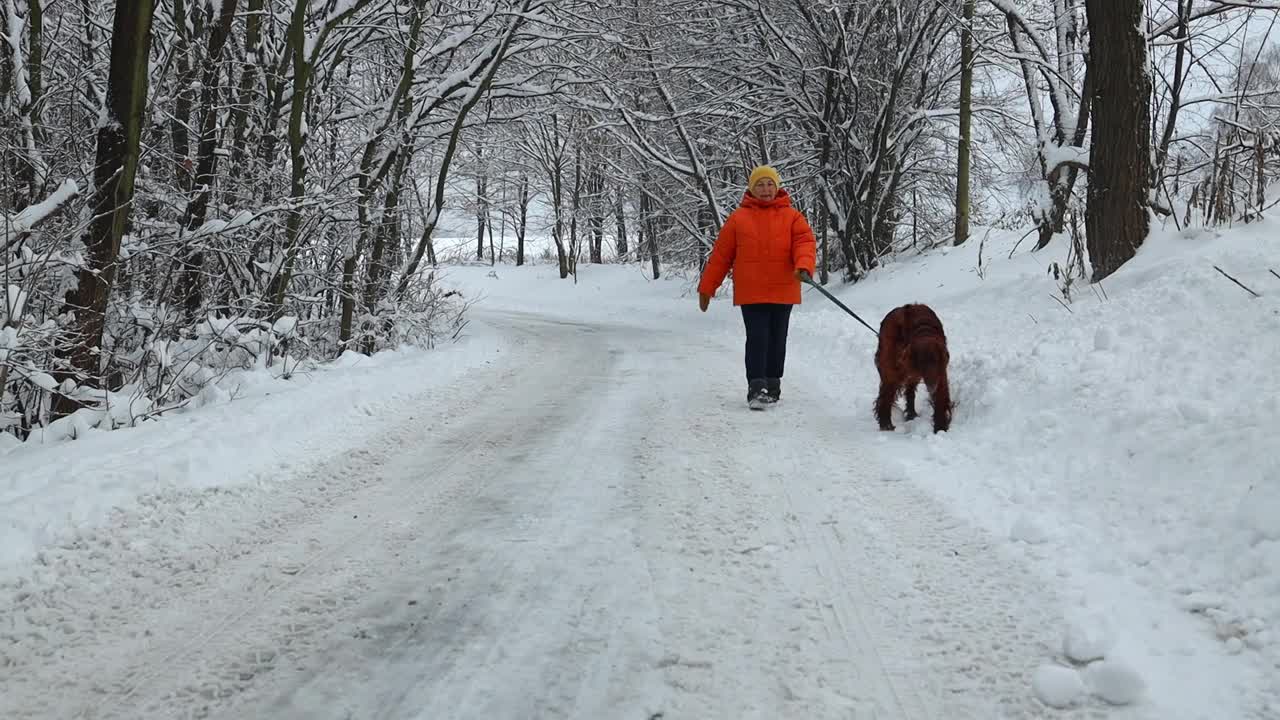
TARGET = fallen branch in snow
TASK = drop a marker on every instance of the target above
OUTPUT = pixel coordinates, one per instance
(20, 225)
(1224, 274)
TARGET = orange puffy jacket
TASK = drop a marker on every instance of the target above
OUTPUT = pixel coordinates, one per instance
(764, 243)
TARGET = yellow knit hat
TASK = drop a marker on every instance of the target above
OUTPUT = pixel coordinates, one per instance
(764, 171)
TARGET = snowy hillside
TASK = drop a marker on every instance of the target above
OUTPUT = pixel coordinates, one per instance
(1126, 443)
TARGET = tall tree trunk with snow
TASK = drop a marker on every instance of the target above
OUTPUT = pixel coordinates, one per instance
(653, 253)
(304, 49)
(386, 235)
(373, 171)
(482, 203)
(575, 206)
(595, 186)
(20, 91)
(191, 287)
(298, 46)
(966, 123)
(647, 228)
(1175, 94)
(114, 172)
(522, 222)
(620, 218)
(35, 64)
(1117, 219)
(824, 244)
(246, 91)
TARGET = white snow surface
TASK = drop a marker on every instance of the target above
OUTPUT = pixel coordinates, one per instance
(571, 513)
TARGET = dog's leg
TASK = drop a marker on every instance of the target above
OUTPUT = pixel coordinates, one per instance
(940, 397)
(884, 404)
(910, 392)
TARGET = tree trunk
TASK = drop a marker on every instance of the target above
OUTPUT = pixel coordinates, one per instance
(35, 62)
(824, 245)
(386, 235)
(523, 222)
(24, 158)
(646, 228)
(191, 287)
(966, 117)
(1117, 220)
(278, 289)
(1175, 94)
(653, 253)
(482, 205)
(595, 186)
(238, 122)
(575, 204)
(114, 172)
(372, 173)
(184, 84)
(620, 215)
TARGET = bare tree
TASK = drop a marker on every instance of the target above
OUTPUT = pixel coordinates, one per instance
(114, 173)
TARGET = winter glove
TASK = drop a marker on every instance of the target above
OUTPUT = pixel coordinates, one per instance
(803, 275)
(703, 301)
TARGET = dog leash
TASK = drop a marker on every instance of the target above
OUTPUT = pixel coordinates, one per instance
(806, 278)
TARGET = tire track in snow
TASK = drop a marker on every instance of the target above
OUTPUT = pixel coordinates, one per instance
(513, 631)
(841, 610)
(754, 623)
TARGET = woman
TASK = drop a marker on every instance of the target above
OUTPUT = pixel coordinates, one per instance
(770, 248)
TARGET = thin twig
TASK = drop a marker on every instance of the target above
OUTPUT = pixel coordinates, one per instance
(1019, 243)
(1273, 272)
(1224, 274)
(1055, 297)
(1100, 291)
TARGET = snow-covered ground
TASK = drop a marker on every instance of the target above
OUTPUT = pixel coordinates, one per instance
(1124, 445)
(570, 513)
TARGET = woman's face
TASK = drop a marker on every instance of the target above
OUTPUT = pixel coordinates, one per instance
(764, 189)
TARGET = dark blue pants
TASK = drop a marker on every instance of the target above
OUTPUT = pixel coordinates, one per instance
(766, 339)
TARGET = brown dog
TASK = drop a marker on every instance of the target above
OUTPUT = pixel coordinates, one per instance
(913, 348)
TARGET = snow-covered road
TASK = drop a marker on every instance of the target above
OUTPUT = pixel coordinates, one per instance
(593, 527)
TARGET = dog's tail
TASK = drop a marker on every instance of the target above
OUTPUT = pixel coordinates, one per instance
(927, 356)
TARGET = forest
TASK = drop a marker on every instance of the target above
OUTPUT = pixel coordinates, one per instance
(202, 185)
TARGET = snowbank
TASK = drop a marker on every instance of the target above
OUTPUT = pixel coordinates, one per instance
(238, 432)
(1125, 441)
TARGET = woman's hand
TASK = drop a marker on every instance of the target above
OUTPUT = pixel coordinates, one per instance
(703, 301)
(802, 275)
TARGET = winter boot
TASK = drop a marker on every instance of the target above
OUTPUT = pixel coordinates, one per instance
(757, 394)
(773, 388)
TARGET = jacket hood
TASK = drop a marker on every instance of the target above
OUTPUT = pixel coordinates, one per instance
(782, 199)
